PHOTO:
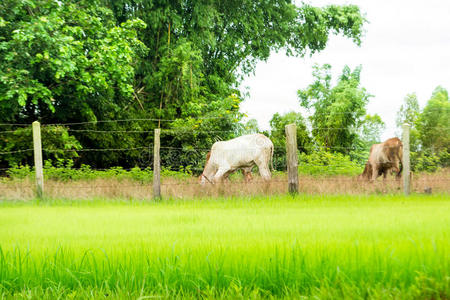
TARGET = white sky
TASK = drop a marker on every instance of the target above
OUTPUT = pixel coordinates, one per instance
(406, 49)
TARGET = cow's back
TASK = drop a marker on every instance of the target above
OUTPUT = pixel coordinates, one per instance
(240, 151)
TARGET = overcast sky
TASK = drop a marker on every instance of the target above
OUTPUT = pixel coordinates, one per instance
(406, 49)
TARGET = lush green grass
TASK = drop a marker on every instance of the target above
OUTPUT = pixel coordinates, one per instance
(329, 247)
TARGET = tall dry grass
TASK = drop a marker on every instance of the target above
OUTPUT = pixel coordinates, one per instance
(439, 182)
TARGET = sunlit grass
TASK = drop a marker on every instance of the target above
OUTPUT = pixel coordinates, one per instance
(356, 246)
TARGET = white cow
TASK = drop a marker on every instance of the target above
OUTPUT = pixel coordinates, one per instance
(240, 153)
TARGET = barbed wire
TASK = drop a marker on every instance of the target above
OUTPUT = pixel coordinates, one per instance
(110, 131)
(95, 149)
(188, 149)
(14, 124)
(190, 131)
(15, 151)
(14, 131)
(140, 119)
(151, 120)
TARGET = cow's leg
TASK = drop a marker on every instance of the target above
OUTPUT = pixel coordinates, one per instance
(221, 174)
(398, 171)
(264, 171)
(247, 173)
(374, 172)
(226, 176)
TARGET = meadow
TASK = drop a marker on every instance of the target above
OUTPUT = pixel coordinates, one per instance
(308, 246)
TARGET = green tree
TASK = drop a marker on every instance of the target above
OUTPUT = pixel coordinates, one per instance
(433, 123)
(68, 63)
(64, 62)
(409, 113)
(369, 133)
(371, 129)
(278, 136)
(429, 137)
(82, 60)
(337, 112)
(199, 51)
(249, 127)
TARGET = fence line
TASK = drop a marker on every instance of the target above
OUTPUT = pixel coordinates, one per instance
(192, 131)
(118, 168)
(141, 119)
(291, 151)
(14, 124)
(180, 149)
(16, 151)
(185, 149)
(171, 120)
(13, 131)
(95, 149)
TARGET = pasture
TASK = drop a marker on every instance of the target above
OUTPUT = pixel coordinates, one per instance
(325, 246)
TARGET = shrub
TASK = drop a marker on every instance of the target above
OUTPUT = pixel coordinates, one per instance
(62, 170)
(56, 140)
(429, 161)
(327, 163)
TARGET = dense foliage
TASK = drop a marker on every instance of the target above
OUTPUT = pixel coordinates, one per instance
(277, 135)
(177, 65)
(337, 112)
(178, 61)
(429, 133)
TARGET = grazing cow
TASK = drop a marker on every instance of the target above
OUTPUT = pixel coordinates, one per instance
(243, 152)
(383, 158)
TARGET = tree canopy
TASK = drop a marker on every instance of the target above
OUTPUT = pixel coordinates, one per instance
(277, 135)
(336, 112)
(178, 61)
(429, 133)
(434, 121)
(64, 62)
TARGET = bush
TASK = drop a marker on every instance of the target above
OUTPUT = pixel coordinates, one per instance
(429, 161)
(20, 172)
(62, 170)
(56, 141)
(327, 163)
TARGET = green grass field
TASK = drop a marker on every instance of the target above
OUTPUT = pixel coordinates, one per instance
(314, 246)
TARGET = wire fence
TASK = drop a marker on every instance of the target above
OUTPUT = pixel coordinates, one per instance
(163, 131)
(192, 153)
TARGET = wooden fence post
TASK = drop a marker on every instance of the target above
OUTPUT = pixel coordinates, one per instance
(37, 146)
(292, 159)
(406, 160)
(156, 167)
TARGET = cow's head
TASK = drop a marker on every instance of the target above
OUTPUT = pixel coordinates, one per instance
(204, 179)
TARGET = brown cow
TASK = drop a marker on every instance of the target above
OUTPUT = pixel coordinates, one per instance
(383, 158)
(246, 172)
